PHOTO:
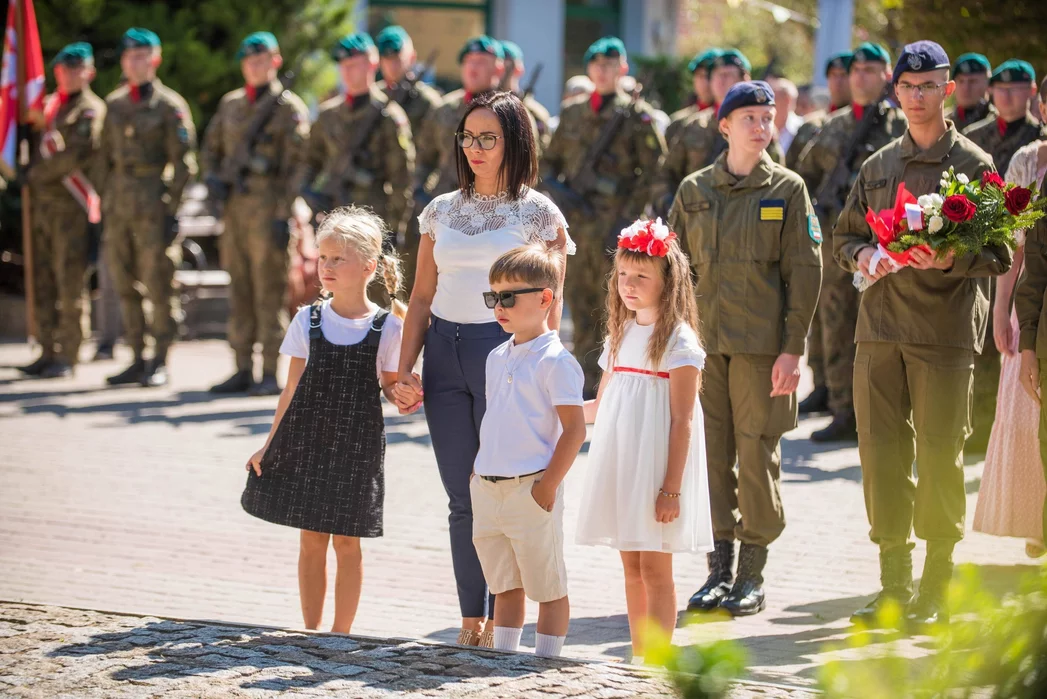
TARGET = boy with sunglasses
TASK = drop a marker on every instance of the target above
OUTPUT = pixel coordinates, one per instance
(530, 435)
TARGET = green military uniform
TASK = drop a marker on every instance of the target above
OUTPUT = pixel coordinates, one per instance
(254, 243)
(704, 62)
(60, 220)
(513, 55)
(838, 306)
(1030, 303)
(963, 117)
(420, 101)
(1001, 141)
(148, 132)
(813, 123)
(754, 245)
(622, 175)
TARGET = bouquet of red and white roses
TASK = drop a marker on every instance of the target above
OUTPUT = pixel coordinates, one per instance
(961, 218)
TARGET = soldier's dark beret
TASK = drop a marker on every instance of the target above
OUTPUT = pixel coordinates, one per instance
(703, 60)
(74, 54)
(869, 51)
(391, 40)
(920, 57)
(610, 46)
(482, 44)
(731, 57)
(839, 60)
(971, 63)
(1013, 71)
(258, 42)
(352, 45)
(752, 93)
(136, 37)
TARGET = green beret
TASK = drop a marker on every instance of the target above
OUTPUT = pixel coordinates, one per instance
(1013, 71)
(136, 37)
(839, 60)
(74, 55)
(352, 45)
(703, 60)
(512, 52)
(391, 40)
(259, 42)
(869, 51)
(482, 44)
(971, 63)
(732, 57)
(610, 46)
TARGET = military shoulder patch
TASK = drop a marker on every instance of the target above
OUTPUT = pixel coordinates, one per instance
(772, 209)
(814, 228)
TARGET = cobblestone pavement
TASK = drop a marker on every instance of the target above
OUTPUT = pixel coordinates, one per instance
(53, 651)
(128, 500)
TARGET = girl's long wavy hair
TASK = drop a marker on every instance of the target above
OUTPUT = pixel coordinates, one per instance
(678, 304)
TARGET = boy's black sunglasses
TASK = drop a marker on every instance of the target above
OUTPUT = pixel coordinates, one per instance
(506, 298)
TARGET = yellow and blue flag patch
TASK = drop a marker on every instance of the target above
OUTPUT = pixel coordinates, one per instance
(772, 209)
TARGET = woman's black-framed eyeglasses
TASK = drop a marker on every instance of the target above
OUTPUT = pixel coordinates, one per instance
(506, 298)
(487, 141)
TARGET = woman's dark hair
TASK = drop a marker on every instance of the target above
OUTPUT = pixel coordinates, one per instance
(519, 159)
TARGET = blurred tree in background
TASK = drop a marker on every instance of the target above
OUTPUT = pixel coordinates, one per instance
(200, 39)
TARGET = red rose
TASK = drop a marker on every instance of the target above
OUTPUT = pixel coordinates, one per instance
(1017, 199)
(958, 208)
(992, 179)
(657, 248)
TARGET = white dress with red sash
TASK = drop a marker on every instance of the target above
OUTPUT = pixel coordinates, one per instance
(629, 453)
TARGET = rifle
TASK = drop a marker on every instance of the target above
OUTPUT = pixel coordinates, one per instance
(405, 88)
(529, 87)
(234, 169)
(835, 188)
(332, 185)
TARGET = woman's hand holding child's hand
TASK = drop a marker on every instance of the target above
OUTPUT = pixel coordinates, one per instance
(408, 392)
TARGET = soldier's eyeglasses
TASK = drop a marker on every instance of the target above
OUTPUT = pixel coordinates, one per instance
(506, 298)
(487, 141)
(920, 90)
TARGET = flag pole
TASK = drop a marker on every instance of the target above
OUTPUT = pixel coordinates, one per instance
(22, 159)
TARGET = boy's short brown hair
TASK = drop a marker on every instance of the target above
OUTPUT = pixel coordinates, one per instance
(531, 264)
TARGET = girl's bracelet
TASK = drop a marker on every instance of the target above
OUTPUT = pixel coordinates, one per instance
(668, 495)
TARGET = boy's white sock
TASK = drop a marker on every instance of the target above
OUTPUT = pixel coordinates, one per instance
(507, 637)
(548, 646)
(637, 660)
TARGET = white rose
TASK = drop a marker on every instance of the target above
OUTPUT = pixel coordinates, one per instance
(963, 179)
(936, 224)
(924, 201)
(659, 230)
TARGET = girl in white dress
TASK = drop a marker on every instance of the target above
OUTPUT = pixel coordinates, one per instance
(647, 492)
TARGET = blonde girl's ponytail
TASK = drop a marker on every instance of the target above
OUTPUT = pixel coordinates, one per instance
(392, 274)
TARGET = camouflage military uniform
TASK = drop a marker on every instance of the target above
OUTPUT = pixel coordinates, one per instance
(696, 145)
(254, 243)
(1002, 147)
(964, 118)
(678, 118)
(60, 227)
(384, 160)
(437, 171)
(147, 130)
(624, 172)
(838, 305)
(541, 121)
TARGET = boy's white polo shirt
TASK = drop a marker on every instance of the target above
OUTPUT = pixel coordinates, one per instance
(521, 427)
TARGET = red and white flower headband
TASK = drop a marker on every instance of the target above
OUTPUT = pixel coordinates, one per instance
(649, 237)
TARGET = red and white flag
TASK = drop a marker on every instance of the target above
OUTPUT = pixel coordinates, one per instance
(16, 104)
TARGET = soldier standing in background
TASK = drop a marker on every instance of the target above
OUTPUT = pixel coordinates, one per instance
(514, 70)
(598, 170)
(703, 94)
(63, 196)
(250, 155)
(831, 162)
(971, 74)
(1012, 84)
(396, 58)
(698, 141)
(481, 60)
(359, 146)
(148, 128)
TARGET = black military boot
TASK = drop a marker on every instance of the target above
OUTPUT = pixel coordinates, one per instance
(103, 352)
(843, 428)
(268, 386)
(721, 565)
(36, 366)
(155, 374)
(132, 374)
(57, 369)
(930, 607)
(896, 579)
(240, 382)
(816, 402)
(746, 597)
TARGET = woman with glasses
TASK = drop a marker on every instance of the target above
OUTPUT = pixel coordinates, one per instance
(493, 211)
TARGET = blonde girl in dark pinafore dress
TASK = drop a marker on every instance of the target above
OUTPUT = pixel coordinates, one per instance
(321, 469)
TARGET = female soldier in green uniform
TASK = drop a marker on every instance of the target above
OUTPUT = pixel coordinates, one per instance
(753, 239)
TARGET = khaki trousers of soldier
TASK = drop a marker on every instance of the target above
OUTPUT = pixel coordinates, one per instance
(585, 292)
(257, 264)
(59, 264)
(815, 353)
(986, 377)
(838, 304)
(1043, 431)
(913, 402)
(744, 424)
(140, 261)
